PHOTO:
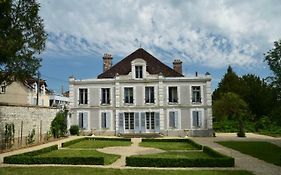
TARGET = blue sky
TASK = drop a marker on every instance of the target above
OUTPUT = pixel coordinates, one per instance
(206, 35)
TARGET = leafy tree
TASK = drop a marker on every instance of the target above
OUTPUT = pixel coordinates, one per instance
(229, 83)
(232, 106)
(22, 39)
(59, 125)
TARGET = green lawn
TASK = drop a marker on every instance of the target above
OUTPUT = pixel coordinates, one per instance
(108, 158)
(172, 154)
(169, 145)
(103, 171)
(263, 150)
(99, 143)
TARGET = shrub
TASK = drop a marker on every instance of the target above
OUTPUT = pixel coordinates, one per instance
(74, 130)
(66, 144)
(30, 137)
(9, 135)
(58, 125)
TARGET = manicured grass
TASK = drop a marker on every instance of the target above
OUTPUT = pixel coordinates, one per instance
(99, 144)
(169, 145)
(171, 154)
(108, 158)
(262, 150)
(103, 171)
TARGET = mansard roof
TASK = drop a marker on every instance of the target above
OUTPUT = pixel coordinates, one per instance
(153, 66)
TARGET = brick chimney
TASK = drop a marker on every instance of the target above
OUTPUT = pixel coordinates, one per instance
(107, 61)
(177, 65)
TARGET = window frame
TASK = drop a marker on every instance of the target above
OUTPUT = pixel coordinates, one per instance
(130, 98)
(105, 99)
(83, 96)
(196, 94)
(138, 71)
(149, 94)
(170, 95)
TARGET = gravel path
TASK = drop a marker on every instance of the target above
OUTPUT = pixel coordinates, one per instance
(243, 161)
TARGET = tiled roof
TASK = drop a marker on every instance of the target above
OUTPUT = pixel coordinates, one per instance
(154, 66)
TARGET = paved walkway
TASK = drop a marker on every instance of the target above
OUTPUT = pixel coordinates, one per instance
(242, 161)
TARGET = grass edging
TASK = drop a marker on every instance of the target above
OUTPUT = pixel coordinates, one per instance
(219, 160)
(66, 144)
(30, 158)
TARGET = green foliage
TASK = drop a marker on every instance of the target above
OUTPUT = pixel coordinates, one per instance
(74, 130)
(30, 138)
(262, 150)
(58, 125)
(165, 144)
(22, 39)
(9, 135)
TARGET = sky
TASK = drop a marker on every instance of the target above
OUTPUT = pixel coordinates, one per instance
(207, 35)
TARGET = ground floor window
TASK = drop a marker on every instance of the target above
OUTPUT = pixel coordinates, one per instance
(83, 120)
(129, 120)
(150, 120)
(197, 118)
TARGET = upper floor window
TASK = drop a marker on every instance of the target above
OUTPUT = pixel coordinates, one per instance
(139, 72)
(83, 96)
(128, 95)
(105, 95)
(149, 94)
(196, 94)
(173, 95)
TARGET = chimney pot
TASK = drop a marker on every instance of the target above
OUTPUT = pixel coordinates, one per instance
(177, 65)
(107, 61)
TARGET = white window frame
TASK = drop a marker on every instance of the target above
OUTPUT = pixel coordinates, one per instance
(88, 96)
(202, 118)
(83, 111)
(201, 94)
(178, 124)
(149, 95)
(101, 95)
(111, 119)
(123, 94)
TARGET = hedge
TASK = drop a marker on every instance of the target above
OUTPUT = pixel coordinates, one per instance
(30, 158)
(54, 160)
(66, 144)
(196, 145)
(219, 160)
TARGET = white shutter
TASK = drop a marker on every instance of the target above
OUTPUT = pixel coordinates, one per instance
(143, 122)
(137, 122)
(199, 118)
(176, 120)
(108, 120)
(157, 122)
(85, 120)
(194, 118)
(121, 123)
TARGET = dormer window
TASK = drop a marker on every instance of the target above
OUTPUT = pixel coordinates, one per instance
(139, 72)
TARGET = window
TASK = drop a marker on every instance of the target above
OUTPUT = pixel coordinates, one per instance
(196, 94)
(196, 117)
(105, 120)
(83, 96)
(150, 120)
(83, 120)
(105, 96)
(129, 120)
(172, 119)
(149, 94)
(128, 95)
(3, 89)
(173, 95)
(138, 72)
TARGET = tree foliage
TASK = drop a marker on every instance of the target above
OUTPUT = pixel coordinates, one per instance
(59, 125)
(22, 39)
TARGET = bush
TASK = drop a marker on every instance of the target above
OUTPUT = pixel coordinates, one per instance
(218, 160)
(30, 137)
(30, 158)
(9, 135)
(58, 125)
(74, 130)
(66, 144)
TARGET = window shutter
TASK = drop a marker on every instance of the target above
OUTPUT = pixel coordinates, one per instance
(176, 120)
(80, 120)
(157, 122)
(171, 120)
(137, 123)
(85, 120)
(142, 122)
(200, 118)
(108, 120)
(121, 123)
(194, 118)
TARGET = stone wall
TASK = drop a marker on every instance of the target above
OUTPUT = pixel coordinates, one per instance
(26, 118)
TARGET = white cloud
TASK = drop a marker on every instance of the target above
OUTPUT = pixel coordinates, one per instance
(211, 33)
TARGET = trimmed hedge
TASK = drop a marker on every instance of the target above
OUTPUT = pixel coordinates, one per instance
(30, 158)
(219, 160)
(54, 160)
(66, 144)
(196, 145)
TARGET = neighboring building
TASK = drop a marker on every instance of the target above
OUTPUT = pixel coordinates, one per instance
(24, 93)
(59, 101)
(140, 94)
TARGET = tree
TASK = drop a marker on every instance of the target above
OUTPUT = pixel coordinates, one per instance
(232, 106)
(22, 39)
(229, 83)
(59, 125)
